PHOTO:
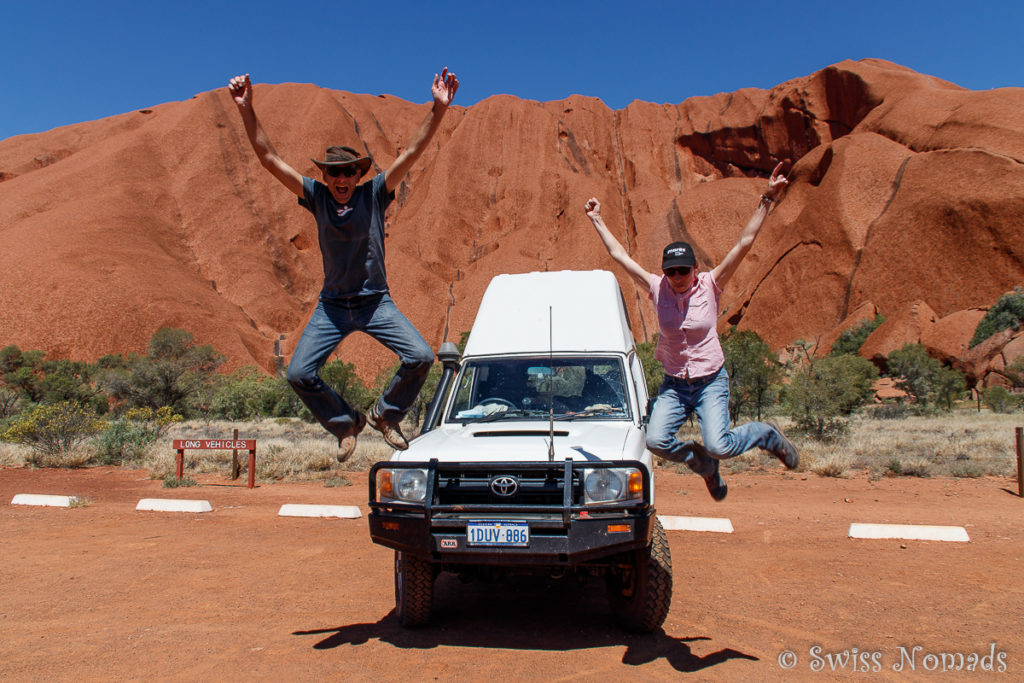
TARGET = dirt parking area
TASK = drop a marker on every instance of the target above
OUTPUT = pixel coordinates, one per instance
(106, 592)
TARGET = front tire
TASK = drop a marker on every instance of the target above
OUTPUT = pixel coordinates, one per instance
(414, 589)
(641, 595)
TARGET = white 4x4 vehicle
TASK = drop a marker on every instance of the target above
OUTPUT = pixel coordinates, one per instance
(532, 456)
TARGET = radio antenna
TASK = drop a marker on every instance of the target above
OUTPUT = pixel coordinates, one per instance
(551, 389)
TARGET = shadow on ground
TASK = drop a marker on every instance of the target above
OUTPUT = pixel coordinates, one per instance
(526, 613)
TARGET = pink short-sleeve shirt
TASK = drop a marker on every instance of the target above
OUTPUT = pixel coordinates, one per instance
(688, 343)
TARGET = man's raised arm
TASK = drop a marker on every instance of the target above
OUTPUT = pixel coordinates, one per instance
(443, 92)
(241, 91)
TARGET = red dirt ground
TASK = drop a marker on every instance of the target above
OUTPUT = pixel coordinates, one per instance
(107, 592)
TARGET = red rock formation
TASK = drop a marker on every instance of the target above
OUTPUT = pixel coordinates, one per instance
(905, 326)
(904, 188)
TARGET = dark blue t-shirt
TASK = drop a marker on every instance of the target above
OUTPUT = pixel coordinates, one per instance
(351, 237)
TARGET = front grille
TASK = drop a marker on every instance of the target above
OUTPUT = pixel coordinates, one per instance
(533, 488)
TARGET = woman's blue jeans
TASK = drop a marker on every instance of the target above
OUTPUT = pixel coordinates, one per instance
(332, 321)
(709, 398)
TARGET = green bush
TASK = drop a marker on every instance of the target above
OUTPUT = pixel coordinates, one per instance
(127, 438)
(1008, 312)
(30, 376)
(123, 441)
(249, 394)
(54, 429)
(821, 395)
(924, 378)
(754, 373)
(999, 400)
(175, 372)
(852, 339)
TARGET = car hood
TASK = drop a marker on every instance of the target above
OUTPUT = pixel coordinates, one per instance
(528, 441)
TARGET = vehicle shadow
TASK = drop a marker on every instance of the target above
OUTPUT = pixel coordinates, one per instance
(526, 613)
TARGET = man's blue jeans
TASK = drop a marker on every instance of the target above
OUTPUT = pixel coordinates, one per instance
(709, 398)
(332, 321)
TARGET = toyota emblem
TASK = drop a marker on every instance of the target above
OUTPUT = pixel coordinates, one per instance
(504, 485)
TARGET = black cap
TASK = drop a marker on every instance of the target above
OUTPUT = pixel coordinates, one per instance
(678, 254)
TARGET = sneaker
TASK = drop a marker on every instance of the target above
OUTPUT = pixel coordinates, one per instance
(787, 454)
(347, 444)
(391, 431)
(716, 485)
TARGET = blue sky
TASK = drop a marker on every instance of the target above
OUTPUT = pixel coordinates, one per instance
(67, 62)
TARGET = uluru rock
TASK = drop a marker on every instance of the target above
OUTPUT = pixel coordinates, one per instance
(905, 326)
(904, 188)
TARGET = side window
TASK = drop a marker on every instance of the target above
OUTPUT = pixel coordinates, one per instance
(464, 390)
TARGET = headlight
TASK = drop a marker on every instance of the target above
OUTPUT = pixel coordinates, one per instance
(611, 484)
(405, 485)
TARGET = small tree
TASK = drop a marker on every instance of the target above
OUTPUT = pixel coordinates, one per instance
(820, 396)
(174, 373)
(999, 400)
(924, 378)
(343, 379)
(754, 372)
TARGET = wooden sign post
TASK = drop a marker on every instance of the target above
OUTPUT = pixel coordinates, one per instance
(217, 445)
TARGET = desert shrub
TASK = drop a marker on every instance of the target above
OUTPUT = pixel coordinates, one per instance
(967, 470)
(31, 377)
(754, 373)
(1008, 312)
(250, 394)
(127, 438)
(829, 389)
(924, 378)
(999, 400)
(175, 372)
(916, 467)
(343, 379)
(1015, 372)
(831, 465)
(889, 410)
(852, 339)
(10, 401)
(53, 429)
(172, 482)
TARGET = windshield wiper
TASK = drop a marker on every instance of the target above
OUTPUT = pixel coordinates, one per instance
(500, 415)
(592, 412)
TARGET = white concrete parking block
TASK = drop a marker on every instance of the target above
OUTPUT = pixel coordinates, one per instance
(42, 499)
(340, 511)
(913, 532)
(172, 505)
(720, 525)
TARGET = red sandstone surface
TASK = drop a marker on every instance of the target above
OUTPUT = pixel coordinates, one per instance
(906, 195)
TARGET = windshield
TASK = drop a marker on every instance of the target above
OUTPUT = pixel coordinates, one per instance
(524, 388)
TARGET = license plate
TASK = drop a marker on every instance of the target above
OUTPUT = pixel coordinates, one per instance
(498, 533)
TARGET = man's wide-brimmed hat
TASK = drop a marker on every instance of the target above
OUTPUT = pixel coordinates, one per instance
(678, 254)
(344, 156)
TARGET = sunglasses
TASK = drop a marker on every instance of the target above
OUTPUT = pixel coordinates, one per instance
(347, 171)
(681, 270)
